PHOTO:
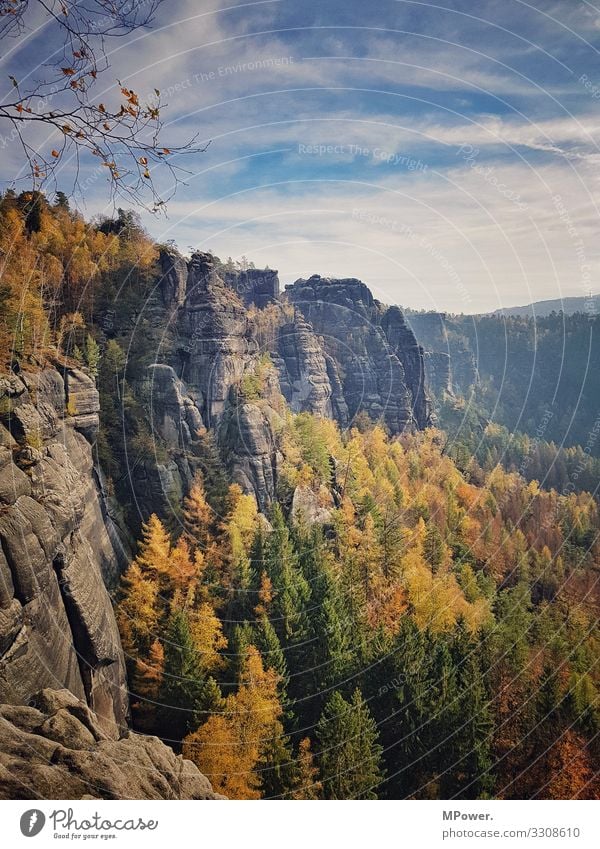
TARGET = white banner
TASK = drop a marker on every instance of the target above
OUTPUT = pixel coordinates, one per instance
(302, 825)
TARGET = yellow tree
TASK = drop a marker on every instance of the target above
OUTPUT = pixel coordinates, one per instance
(154, 556)
(207, 633)
(137, 613)
(146, 686)
(229, 746)
(198, 516)
(308, 785)
(185, 569)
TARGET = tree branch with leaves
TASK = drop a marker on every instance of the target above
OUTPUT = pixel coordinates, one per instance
(122, 130)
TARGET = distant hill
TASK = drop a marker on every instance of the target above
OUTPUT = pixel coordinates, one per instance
(588, 304)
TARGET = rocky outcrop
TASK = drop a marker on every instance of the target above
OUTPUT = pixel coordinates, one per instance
(57, 627)
(248, 442)
(304, 371)
(255, 286)
(215, 345)
(438, 373)
(173, 278)
(404, 344)
(379, 362)
(56, 748)
(310, 507)
(175, 414)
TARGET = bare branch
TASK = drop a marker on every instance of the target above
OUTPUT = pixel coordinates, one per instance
(125, 135)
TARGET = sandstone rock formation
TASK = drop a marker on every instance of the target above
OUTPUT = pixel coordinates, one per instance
(374, 350)
(303, 369)
(255, 286)
(57, 627)
(456, 370)
(247, 437)
(173, 279)
(310, 507)
(56, 748)
(404, 345)
(438, 373)
(215, 345)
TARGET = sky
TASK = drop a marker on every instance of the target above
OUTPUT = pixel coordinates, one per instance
(445, 153)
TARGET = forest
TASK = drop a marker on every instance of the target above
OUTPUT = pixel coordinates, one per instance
(432, 635)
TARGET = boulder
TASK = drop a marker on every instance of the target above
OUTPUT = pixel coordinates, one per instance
(56, 748)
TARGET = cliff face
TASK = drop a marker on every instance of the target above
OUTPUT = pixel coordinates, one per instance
(404, 345)
(450, 365)
(340, 352)
(307, 375)
(374, 352)
(57, 626)
(255, 286)
(215, 345)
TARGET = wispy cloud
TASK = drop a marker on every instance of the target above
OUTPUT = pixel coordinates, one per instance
(314, 112)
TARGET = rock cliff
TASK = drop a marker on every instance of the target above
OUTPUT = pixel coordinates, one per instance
(308, 377)
(57, 627)
(374, 352)
(450, 365)
(215, 341)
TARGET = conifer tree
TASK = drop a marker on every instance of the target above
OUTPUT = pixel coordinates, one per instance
(349, 751)
(307, 783)
(182, 689)
(231, 748)
(146, 685)
(198, 517)
(291, 591)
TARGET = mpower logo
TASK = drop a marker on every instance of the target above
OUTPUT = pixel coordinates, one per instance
(32, 822)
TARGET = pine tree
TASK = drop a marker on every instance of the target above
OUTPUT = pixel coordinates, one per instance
(349, 752)
(182, 690)
(291, 591)
(267, 642)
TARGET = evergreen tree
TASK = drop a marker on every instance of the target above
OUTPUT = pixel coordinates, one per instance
(291, 591)
(349, 752)
(182, 690)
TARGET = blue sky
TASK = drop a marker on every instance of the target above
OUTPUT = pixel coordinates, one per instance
(445, 153)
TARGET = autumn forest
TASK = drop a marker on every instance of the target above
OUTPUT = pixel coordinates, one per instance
(398, 620)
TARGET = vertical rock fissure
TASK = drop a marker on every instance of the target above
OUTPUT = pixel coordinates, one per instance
(84, 649)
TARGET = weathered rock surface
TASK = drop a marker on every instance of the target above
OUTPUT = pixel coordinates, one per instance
(431, 330)
(303, 369)
(57, 626)
(56, 748)
(216, 346)
(173, 279)
(310, 507)
(404, 345)
(438, 374)
(255, 286)
(375, 354)
(175, 413)
(248, 441)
